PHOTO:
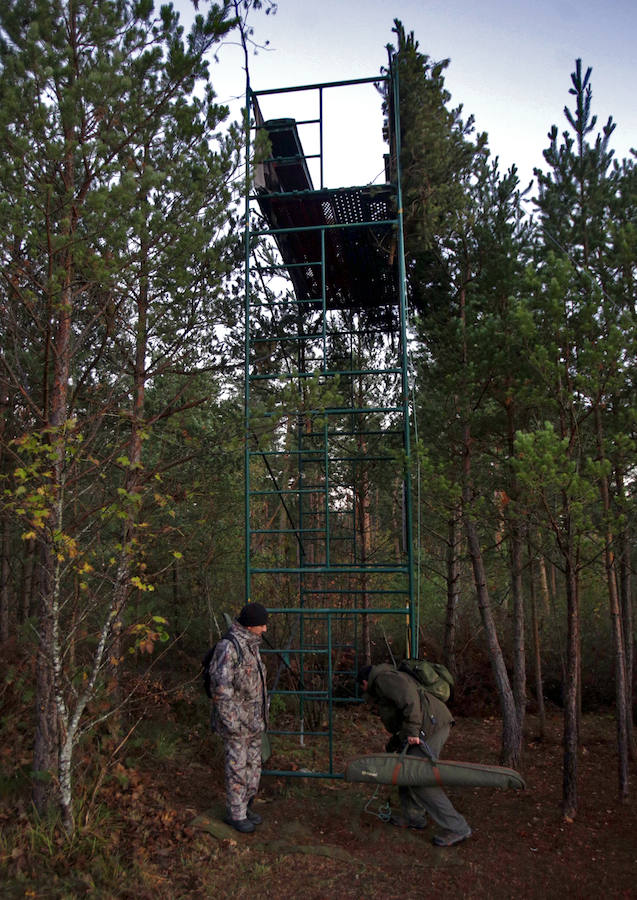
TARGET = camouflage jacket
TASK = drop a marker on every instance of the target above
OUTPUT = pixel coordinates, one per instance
(403, 706)
(238, 683)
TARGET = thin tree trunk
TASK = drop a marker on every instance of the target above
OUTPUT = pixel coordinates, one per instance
(517, 588)
(616, 622)
(49, 693)
(397, 520)
(132, 479)
(544, 585)
(45, 745)
(4, 526)
(363, 528)
(626, 602)
(28, 579)
(553, 574)
(511, 733)
(453, 592)
(519, 654)
(363, 520)
(569, 780)
(5, 600)
(48, 687)
(537, 649)
(579, 656)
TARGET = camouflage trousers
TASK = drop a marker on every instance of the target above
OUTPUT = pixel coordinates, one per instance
(242, 772)
(416, 802)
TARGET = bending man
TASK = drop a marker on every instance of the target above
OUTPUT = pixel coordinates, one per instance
(417, 718)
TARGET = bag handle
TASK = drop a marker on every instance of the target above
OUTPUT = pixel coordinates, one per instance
(399, 763)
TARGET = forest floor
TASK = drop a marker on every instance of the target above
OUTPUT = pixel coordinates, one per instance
(149, 821)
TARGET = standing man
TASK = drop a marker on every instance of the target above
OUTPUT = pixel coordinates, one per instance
(240, 712)
(417, 718)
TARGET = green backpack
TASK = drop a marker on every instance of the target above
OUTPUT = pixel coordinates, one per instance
(433, 677)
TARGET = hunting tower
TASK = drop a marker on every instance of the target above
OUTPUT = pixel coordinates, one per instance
(327, 497)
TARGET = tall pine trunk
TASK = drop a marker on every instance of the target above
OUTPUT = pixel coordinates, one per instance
(511, 731)
(453, 592)
(4, 525)
(571, 692)
(133, 477)
(616, 620)
(515, 530)
(5, 596)
(519, 647)
(626, 601)
(363, 527)
(537, 646)
(29, 565)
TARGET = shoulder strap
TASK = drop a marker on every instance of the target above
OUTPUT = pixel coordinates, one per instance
(235, 643)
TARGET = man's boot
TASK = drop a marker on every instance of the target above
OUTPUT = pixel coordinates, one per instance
(245, 826)
(253, 816)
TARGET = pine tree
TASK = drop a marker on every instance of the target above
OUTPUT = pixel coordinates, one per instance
(463, 245)
(584, 320)
(111, 196)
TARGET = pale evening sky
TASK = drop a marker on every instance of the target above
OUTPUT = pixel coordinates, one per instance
(510, 66)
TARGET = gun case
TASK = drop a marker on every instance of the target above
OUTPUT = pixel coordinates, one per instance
(413, 771)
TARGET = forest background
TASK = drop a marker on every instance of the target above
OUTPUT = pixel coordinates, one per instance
(121, 435)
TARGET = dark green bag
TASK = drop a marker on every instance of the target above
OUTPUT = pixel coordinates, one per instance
(415, 771)
(434, 677)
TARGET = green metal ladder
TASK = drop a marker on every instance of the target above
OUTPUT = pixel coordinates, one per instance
(327, 418)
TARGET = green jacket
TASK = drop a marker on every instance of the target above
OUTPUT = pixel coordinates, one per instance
(405, 708)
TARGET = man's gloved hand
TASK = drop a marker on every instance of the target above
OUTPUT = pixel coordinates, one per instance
(427, 749)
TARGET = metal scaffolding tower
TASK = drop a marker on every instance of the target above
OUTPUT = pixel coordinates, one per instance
(327, 497)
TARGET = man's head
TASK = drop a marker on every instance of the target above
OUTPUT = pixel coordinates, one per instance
(254, 617)
(363, 676)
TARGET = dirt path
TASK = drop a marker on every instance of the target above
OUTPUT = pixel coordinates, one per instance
(155, 830)
(318, 840)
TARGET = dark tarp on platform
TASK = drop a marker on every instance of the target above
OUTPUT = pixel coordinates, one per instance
(360, 267)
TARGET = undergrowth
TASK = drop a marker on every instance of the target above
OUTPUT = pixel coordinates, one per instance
(125, 828)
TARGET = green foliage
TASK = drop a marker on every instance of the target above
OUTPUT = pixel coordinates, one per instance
(118, 236)
(524, 335)
(437, 159)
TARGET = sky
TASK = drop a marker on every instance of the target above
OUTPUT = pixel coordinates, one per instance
(510, 67)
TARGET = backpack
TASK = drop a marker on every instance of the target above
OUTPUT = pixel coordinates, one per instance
(206, 674)
(435, 678)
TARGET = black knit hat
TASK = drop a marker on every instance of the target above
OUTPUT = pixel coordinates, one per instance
(253, 614)
(363, 674)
